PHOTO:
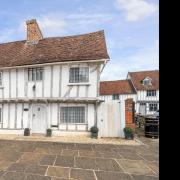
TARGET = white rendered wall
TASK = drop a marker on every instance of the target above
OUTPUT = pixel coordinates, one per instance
(54, 84)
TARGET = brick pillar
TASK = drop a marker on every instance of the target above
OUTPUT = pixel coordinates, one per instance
(129, 113)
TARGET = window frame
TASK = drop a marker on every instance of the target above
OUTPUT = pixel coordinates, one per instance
(147, 79)
(114, 97)
(35, 74)
(152, 109)
(72, 78)
(62, 121)
(151, 93)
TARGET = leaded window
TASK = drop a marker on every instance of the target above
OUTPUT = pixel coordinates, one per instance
(79, 75)
(153, 107)
(115, 96)
(151, 93)
(72, 115)
(35, 74)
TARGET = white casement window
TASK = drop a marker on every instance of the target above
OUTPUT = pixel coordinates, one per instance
(72, 115)
(115, 97)
(79, 75)
(1, 79)
(151, 93)
(35, 74)
(153, 107)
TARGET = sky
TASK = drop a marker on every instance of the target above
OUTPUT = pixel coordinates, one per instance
(131, 27)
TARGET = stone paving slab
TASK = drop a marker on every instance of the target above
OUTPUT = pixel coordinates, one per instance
(31, 160)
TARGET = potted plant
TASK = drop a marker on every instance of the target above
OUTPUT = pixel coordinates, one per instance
(94, 132)
(26, 132)
(128, 132)
(49, 132)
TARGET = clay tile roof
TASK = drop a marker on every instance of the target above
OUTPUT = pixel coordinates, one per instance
(116, 87)
(138, 77)
(90, 46)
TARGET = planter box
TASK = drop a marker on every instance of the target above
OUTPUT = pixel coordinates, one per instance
(129, 136)
(27, 132)
(94, 135)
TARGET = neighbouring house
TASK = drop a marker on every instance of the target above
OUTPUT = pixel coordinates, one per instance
(146, 84)
(142, 87)
(118, 97)
(51, 82)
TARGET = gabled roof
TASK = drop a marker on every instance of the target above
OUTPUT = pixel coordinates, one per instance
(116, 87)
(89, 47)
(138, 77)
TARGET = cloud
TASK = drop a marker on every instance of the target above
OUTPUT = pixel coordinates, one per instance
(135, 10)
(145, 59)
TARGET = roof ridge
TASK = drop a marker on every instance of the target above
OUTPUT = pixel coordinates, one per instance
(95, 32)
(144, 71)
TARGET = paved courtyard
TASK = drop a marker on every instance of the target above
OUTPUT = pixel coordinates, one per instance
(29, 160)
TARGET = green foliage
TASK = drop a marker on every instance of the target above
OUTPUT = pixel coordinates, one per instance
(94, 129)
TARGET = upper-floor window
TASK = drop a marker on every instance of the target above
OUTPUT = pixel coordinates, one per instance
(1, 79)
(151, 93)
(115, 96)
(147, 81)
(35, 74)
(79, 75)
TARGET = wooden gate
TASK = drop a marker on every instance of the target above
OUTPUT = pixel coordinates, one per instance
(109, 123)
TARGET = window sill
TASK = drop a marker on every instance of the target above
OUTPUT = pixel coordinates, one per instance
(79, 84)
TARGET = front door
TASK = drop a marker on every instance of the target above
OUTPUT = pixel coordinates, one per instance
(39, 123)
(142, 108)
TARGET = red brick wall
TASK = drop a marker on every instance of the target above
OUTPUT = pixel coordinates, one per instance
(129, 113)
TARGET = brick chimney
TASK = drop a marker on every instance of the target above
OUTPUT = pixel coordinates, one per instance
(34, 33)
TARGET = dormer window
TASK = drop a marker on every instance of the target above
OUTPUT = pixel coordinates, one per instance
(147, 81)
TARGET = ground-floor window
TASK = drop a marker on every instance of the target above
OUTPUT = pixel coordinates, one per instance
(153, 107)
(72, 115)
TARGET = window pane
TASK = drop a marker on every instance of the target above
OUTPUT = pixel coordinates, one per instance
(30, 74)
(35, 74)
(79, 75)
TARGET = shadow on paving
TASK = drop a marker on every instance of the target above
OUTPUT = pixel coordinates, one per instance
(30, 160)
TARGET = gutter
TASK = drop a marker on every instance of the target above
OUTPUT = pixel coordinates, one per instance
(55, 63)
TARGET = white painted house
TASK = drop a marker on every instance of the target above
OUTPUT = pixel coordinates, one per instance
(51, 82)
(146, 84)
(142, 87)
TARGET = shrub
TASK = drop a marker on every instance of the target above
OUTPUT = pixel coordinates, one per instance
(49, 132)
(128, 130)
